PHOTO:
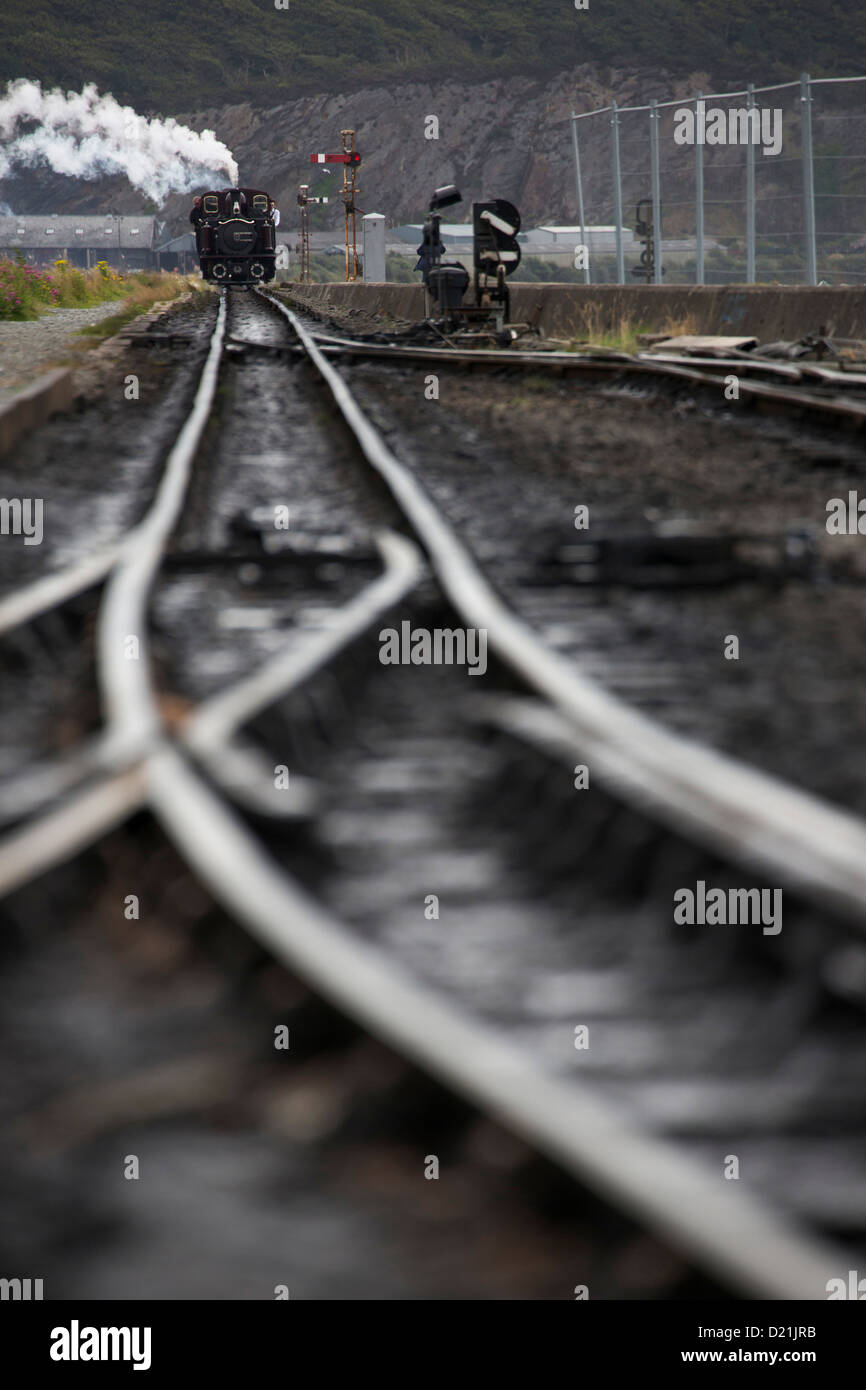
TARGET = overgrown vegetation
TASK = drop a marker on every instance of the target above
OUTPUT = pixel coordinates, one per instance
(325, 269)
(248, 50)
(27, 291)
(24, 290)
(141, 293)
(627, 333)
(623, 336)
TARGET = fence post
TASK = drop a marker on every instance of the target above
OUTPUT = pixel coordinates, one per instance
(750, 191)
(617, 196)
(699, 193)
(576, 148)
(656, 192)
(808, 179)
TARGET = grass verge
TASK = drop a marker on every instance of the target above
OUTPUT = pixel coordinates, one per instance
(141, 296)
(27, 291)
(625, 336)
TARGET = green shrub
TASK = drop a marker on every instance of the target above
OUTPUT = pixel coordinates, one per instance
(24, 290)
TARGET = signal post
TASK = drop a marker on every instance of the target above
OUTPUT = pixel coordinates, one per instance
(350, 159)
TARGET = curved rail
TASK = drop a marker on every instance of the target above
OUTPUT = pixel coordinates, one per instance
(734, 1235)
(749, 815)
(696, 372)
(132, 715)
(759, 1250)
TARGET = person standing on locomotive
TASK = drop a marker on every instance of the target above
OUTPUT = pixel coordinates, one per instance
(273, 213)
(195, 217)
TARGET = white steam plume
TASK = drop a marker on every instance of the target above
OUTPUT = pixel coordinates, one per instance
(87, 136)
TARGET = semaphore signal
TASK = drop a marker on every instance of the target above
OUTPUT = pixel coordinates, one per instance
(350, 159)
(345, 157)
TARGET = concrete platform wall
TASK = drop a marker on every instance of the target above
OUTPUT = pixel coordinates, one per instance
(576, 311)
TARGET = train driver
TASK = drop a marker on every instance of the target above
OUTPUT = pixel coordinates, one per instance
(195, 217)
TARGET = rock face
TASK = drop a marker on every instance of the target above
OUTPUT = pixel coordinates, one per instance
(509, 138)
(506, 138)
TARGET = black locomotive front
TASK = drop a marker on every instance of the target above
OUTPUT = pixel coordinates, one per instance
(235, 237)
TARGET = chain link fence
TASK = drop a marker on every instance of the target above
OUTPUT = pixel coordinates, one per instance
(694, 173)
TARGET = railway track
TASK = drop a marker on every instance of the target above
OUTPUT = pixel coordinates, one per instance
(808, 388)
(624, 1127)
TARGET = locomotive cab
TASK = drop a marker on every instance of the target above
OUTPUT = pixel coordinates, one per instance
(235, 237)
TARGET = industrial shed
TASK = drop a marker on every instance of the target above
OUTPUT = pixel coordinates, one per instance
(178, 254)
(127, 243)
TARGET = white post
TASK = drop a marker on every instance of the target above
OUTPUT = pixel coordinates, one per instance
(374, 247)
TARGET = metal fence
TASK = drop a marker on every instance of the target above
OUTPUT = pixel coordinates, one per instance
(724, 211)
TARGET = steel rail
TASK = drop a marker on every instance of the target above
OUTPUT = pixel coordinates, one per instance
(25, 793)
(64, 832)
(117, 792)
(752, 817)
(731, 1233)
(677, 368)
(738, 361)
(132, 716)
(211, 725)
(739, 1238)
(53, 590)
(103, 786)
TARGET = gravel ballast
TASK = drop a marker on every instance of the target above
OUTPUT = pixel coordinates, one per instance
(34, 345)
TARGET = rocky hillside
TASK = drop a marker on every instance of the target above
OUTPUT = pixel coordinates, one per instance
(508, 137)
(166, 55)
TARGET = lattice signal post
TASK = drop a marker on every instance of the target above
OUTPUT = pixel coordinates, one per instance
(350, 159)
(304, 205)
(304, 201)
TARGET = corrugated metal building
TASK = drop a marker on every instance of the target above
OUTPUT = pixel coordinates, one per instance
(128, 243)
(179, 253)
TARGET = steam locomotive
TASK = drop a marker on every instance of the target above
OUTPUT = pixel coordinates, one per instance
(235, 237)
